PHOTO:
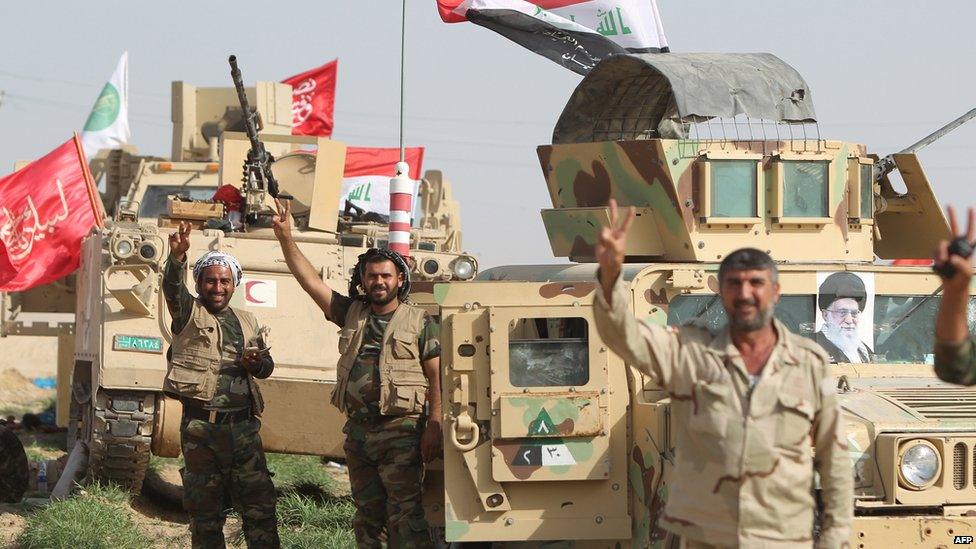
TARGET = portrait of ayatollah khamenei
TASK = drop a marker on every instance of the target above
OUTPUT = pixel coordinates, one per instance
(845, 315)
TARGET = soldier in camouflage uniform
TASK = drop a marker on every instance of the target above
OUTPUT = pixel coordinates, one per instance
(748, 402)
(14, 477)
(217, 352)
(955, 350)
(388, 369)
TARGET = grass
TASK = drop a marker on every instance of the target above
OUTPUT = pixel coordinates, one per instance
(18, 409)
(302, 474)
(156, 463)
(42, 446)
(306, 523)
(309, 514)
(95, 519)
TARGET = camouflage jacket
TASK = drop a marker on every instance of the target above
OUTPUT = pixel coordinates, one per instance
(744, 470)
(956, 362)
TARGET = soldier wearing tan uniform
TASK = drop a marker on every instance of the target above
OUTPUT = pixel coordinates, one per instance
(747, 404)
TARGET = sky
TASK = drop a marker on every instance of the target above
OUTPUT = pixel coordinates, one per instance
(882, 73)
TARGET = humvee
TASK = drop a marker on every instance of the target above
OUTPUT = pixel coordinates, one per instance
(112, 357)
(551, 436)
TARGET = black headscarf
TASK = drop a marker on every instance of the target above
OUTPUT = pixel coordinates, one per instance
(359, 272)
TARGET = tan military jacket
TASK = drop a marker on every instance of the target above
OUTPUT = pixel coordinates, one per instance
(403, 385)
(743, 466)
(192, 371)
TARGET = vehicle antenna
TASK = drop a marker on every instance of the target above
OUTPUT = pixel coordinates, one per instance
(401, 186)
(403, 34)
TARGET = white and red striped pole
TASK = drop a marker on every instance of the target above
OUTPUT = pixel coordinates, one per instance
(401, 208)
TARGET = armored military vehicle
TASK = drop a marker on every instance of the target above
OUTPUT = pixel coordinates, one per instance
(550, 436)
(110, 385)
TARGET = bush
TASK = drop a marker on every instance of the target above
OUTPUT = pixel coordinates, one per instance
(93, 520)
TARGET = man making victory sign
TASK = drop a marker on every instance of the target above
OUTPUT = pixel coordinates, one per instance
(217, 352)
(388, 369)
(746, 403)
(955, 352)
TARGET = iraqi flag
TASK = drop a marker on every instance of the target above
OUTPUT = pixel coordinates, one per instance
(313, 100)
(107, 126)
(577, 34)
(46, 208)
(366, 178)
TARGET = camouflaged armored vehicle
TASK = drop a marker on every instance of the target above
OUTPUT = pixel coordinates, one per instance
(550, 436)
(113, 362)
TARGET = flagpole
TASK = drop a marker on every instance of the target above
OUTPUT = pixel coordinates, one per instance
(89, 183)
(403, 33)
(401, 186)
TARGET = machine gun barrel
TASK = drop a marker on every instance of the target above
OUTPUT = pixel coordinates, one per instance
(886, 164)
(258, 159)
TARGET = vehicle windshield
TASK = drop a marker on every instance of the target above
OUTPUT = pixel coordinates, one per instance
(154, 201)
(903, 324)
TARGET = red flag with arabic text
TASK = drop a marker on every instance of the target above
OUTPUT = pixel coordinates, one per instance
(313, 100)
(46, 208)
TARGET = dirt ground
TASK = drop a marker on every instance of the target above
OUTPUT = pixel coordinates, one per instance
(159, 518)
(32, 356)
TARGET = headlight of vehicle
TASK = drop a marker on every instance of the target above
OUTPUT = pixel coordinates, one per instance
(919, 464)
(122, 248)
(463, 268)
(148, 251)
(431, 267)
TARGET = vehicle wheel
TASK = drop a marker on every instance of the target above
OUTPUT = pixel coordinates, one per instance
(119, 435)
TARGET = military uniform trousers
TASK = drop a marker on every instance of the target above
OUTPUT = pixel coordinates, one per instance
(385, 477)
(224, 468)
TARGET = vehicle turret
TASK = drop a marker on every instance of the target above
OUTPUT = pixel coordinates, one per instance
(719, 150)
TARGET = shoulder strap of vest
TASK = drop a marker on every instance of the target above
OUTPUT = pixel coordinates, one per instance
(412, 316)
(355, 311)
(195, 311)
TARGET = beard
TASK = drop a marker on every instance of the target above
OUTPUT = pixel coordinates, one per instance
(213, 307)
(389, 296)
(761, 320)
(845, 340)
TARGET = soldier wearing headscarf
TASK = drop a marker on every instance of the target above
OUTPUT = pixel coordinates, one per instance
(388, 369)
(217, 352)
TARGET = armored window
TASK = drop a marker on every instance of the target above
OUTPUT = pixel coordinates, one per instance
(805, 189)
(549, 352)
(903, 328)
(867, 192)
(154, 201)
(733, 188)
(795, 311)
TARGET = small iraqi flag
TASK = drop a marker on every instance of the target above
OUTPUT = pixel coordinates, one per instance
(367, 173)
(577, 34)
